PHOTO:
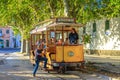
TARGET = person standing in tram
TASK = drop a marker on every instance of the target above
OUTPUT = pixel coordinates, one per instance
(73, 36)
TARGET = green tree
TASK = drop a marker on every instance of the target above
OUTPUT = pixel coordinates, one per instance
(24, 14)
(21, 15)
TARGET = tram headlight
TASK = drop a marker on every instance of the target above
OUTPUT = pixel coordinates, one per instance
(70, 53)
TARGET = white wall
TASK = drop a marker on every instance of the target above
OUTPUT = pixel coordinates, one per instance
(18, 38)
(102, 41)
(11, 39)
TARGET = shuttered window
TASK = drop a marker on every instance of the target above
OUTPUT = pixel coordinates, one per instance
(107, 25)
(94, 27)
(84, 30)
(7, 43)
(0, 30)
(7, 31)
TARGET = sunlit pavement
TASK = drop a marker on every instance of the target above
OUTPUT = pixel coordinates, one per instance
(115, 60)
(15, 66)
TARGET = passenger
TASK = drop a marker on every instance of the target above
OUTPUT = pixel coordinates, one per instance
(38, 58)
(44, 44)
(52, 40)
(59, 42)
(73, 36)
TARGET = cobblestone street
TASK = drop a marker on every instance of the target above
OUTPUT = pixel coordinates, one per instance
(59, 39)
(15, 66)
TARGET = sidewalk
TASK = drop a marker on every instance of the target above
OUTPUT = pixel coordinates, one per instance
(16, 67)
(109, 64)
(115, 60)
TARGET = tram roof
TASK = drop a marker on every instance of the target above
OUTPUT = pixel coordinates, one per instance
(66, 24)
(42, 26)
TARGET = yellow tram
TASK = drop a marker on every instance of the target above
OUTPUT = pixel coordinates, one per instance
(60, 56)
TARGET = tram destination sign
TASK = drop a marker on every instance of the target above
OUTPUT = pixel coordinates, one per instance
(65, 20)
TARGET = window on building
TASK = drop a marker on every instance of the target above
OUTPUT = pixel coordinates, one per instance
(1, 43)
(7, 43)
(0, 32)
(7, 31)
(107, 25)
(94, 27)
(84, 30)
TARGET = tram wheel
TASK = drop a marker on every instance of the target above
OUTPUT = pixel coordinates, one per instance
(61, 69)
(82, 66)
(48, 71)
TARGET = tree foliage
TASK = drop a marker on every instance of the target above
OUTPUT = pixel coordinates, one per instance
(24, 14)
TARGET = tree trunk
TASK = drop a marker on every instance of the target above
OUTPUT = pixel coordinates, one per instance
(51, 9)
(27, 48)
(66, 8)
(22, 44)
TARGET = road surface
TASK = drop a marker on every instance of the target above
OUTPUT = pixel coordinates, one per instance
(15, 66)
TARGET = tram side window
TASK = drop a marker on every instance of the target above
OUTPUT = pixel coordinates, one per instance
(58, 36)
(52, 38)
(52, 34)
(66, 41)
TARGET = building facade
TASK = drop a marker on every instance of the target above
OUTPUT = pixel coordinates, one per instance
(104, 37)
(7, 38)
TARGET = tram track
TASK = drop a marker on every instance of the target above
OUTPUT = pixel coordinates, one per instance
(87, 72)
(98, 73)
(101, 73)
(55, 76)
(102, 70)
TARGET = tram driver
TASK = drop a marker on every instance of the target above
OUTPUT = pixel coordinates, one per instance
(73, 36)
